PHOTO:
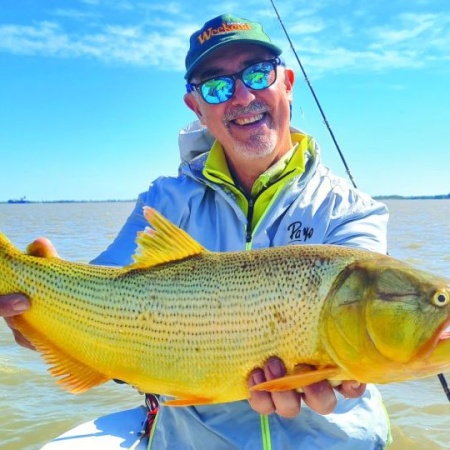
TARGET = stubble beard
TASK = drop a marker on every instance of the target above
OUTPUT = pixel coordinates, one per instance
(258, 144)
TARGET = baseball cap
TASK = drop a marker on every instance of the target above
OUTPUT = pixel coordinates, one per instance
(222, 30)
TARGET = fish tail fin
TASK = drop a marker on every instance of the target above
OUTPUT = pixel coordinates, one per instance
(8, 253)
(73, 375)
(6, 246)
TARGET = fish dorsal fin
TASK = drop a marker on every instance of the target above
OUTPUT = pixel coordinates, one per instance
(74, 376)
(163, 243)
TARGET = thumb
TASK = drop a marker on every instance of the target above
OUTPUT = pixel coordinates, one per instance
(43, 248)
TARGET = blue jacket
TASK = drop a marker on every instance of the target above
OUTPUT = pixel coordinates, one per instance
(311, 206)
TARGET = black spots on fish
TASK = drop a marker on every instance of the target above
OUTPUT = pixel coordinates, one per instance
(145, 316)
(280, 317)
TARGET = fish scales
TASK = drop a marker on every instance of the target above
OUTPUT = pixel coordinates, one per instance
(228, 330)
(183, 310)
(193, 324)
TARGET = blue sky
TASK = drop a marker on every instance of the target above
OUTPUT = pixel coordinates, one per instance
(91, 90)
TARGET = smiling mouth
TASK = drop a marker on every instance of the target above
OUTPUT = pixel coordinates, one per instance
(248, 120)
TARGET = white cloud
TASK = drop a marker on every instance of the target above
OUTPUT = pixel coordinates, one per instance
(308, 26)
(156, 34)
(114, 43)
(43, 38)
(75, 14)
(91, 2)
(404, 40)
(410, 27)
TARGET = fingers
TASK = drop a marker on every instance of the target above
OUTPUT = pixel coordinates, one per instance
(42, 247)
(320, 397)
(351, 389)
(19, 337)
(13, 304)
(286, 403)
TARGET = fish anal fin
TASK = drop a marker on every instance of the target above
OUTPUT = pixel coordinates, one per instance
(299, 380)
(74, 376)
(191, 401)
(163, 243)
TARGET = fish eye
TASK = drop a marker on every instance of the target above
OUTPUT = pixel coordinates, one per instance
(441, 298)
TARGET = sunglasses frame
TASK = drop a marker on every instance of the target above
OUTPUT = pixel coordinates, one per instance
(275, 62)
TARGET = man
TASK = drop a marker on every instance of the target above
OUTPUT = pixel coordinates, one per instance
(249, 180)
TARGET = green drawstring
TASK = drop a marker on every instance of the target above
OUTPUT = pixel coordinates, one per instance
(265, 432)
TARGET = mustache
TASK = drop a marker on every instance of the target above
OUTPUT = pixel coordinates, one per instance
(256, 107)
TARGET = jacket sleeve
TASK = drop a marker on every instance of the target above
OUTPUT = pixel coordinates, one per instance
(121, 250)
(357, 220)
(165, 194)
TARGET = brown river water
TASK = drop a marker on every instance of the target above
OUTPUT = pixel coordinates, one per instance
(33, 410)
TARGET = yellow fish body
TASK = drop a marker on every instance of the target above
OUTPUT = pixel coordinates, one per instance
(192, 324)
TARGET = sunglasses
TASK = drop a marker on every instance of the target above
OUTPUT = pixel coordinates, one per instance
(220, 89)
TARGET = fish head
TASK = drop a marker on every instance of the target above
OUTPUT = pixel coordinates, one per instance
(385, 320)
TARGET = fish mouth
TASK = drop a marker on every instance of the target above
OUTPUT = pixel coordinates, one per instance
(434, 356)
(443, 332)
(444, 335)
(439, 343)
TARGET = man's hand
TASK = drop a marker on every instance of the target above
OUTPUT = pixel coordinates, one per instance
(14, 304)
(319, 396)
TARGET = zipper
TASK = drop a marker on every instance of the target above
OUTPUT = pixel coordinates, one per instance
(251, 204)
(248, 233)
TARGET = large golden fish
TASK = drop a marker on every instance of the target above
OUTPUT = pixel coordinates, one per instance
(192, 324)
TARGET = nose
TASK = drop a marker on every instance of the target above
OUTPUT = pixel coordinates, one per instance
(242, 94)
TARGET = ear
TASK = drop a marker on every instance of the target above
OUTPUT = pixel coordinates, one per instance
(289, 79)
(192, 103)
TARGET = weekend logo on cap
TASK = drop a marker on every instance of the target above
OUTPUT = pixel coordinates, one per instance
(222, 30)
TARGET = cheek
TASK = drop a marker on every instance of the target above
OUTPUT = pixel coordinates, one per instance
(212, 116)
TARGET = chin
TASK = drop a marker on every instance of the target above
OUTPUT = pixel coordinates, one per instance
(255, 150)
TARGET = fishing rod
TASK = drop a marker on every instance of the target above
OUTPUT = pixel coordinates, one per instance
(440, 376)
(324, 118)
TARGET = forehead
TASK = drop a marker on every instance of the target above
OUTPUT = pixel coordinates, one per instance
(231, 57)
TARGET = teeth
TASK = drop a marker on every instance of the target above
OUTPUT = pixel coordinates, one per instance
(248, 120)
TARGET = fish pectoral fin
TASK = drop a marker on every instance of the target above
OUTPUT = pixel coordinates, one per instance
(74, 376)
(191, 401)
(299, 380)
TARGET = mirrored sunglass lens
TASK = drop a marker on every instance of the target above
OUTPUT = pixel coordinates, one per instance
(259, 76)
(217, 90)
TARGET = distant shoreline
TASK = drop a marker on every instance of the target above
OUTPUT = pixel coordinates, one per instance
(14, 202)
(412, 197)
(376, 197)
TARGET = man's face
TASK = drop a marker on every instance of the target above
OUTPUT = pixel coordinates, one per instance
(253, 123)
